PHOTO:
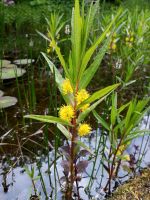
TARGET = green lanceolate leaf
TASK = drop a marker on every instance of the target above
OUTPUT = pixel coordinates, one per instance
(101, 120)
(48, 119)
(66, 133)
(136, 134)
(129, 113)
(91, 70)
(123, 107)
(44, 36)
(140, 109)
(58, 77)
(87, 24)
(57, 49)
(76, 39)
(92, 49)
(136, 111)
(99, 94)
(88, 110)
(113, 114)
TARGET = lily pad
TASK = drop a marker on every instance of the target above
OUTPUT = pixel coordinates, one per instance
(9, 66)
(10, 73)
(4, 62)
(23, 61)
(1, 93)
(7, 101)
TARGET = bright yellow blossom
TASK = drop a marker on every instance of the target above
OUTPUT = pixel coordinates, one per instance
(120, 150)
(66, 87)
(66, 113)
(84, 129)
(113, 46)
(83, 108)
(80, 97)
(131, 39)
(50, 48)
(126, 157)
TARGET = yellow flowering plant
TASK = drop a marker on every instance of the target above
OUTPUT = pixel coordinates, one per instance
(79, 68)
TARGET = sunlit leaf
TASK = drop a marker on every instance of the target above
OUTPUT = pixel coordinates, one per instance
(66, 133)
(48, 119)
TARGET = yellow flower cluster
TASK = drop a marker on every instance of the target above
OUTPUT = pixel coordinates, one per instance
(66, 113)
(84, 129)
(129, 39)
(81, 96)
(120, 150)
(113, 44)
(50, 48)
(126, 157)
(66, 87)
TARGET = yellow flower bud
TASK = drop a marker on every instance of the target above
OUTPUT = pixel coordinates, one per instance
(84, 129)
(66, 113)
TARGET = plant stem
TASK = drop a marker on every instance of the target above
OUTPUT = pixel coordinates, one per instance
(113, 163)
(72, 153)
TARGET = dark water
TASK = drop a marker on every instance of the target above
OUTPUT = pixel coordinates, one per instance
(26, 145)
(20, 186)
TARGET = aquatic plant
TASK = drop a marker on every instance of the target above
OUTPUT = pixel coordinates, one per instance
(122, 126)
(79, 69)
(34, 178)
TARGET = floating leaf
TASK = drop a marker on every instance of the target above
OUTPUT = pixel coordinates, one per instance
(7, 101)
(10, 73)
(23, 61)
(1, 93)
(4, 63)
(9, 66)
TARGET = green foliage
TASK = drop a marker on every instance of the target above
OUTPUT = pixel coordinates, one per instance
(79, 58)
(124, 122)
(122, 126)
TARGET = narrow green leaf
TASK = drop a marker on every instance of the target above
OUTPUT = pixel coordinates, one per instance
(123, 107)
(66, 133)
(62, 61)
(58, 77)
(101, 120)
(44, 36)
(91, 70)
(76, 38)
(129, 113)
(87, 24)
(48, 119)
(99, 94)
(88, 110)
(113, 114)
(136, 134)
(91, 50)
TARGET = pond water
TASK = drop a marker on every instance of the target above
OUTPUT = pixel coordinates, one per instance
(20, 185)
(23, 143)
